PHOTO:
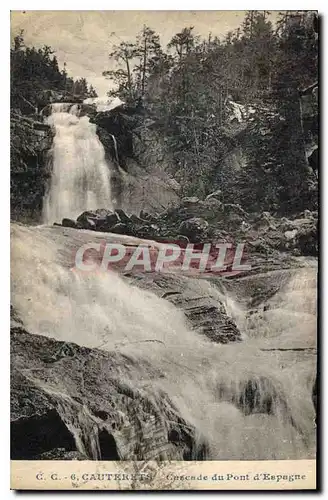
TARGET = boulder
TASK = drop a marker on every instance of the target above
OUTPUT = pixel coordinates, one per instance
(103, 212)
(122, 215)
(290, 235)
(89, 220)
(112, 219)
(195, 229)
(255, 395)
(90, 224)
(108, 222)
(95, 407)
(193, 200)
(82, 218)
(69, 223)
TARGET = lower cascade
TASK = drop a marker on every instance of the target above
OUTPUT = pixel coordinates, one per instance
(80, 174)
(245, 400)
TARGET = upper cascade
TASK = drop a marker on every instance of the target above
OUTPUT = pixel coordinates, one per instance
(80, 174)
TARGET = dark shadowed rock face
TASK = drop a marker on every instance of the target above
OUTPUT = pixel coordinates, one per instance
(92, 412)
(31, 141)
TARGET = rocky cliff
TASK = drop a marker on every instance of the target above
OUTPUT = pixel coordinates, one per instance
(91, 413)
(30, 142)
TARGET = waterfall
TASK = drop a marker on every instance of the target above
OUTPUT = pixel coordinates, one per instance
(247, 400)
(80, 174)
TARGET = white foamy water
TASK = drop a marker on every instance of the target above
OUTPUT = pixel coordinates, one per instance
(210, 384)
(80, 174)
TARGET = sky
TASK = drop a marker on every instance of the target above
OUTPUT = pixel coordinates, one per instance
(83, 39)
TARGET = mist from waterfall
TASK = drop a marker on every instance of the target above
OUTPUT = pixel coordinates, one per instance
(80, 177)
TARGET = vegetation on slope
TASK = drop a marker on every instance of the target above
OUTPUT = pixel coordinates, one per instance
(186, 91)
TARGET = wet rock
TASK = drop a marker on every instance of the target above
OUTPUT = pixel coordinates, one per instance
(85, 216)
(103, 212)
(107, 223)
(121, 228)
(290, 235)
(94, 406)
(256, 395)
(69, 223)
(137, 220)
(90, 224)
(89, 220)
(112, 219)
(307, 240)
(203, 309)
(122, 215)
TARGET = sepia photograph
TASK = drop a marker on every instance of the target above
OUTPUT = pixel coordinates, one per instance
(164, 201)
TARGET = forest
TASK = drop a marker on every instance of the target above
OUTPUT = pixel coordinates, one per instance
(185, 89)
(182, 95)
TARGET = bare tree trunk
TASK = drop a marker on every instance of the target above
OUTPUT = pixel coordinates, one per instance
(129, 76)
(144, 69)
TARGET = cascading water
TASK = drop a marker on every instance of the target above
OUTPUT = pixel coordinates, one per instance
(80, 174)
(246, 400)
